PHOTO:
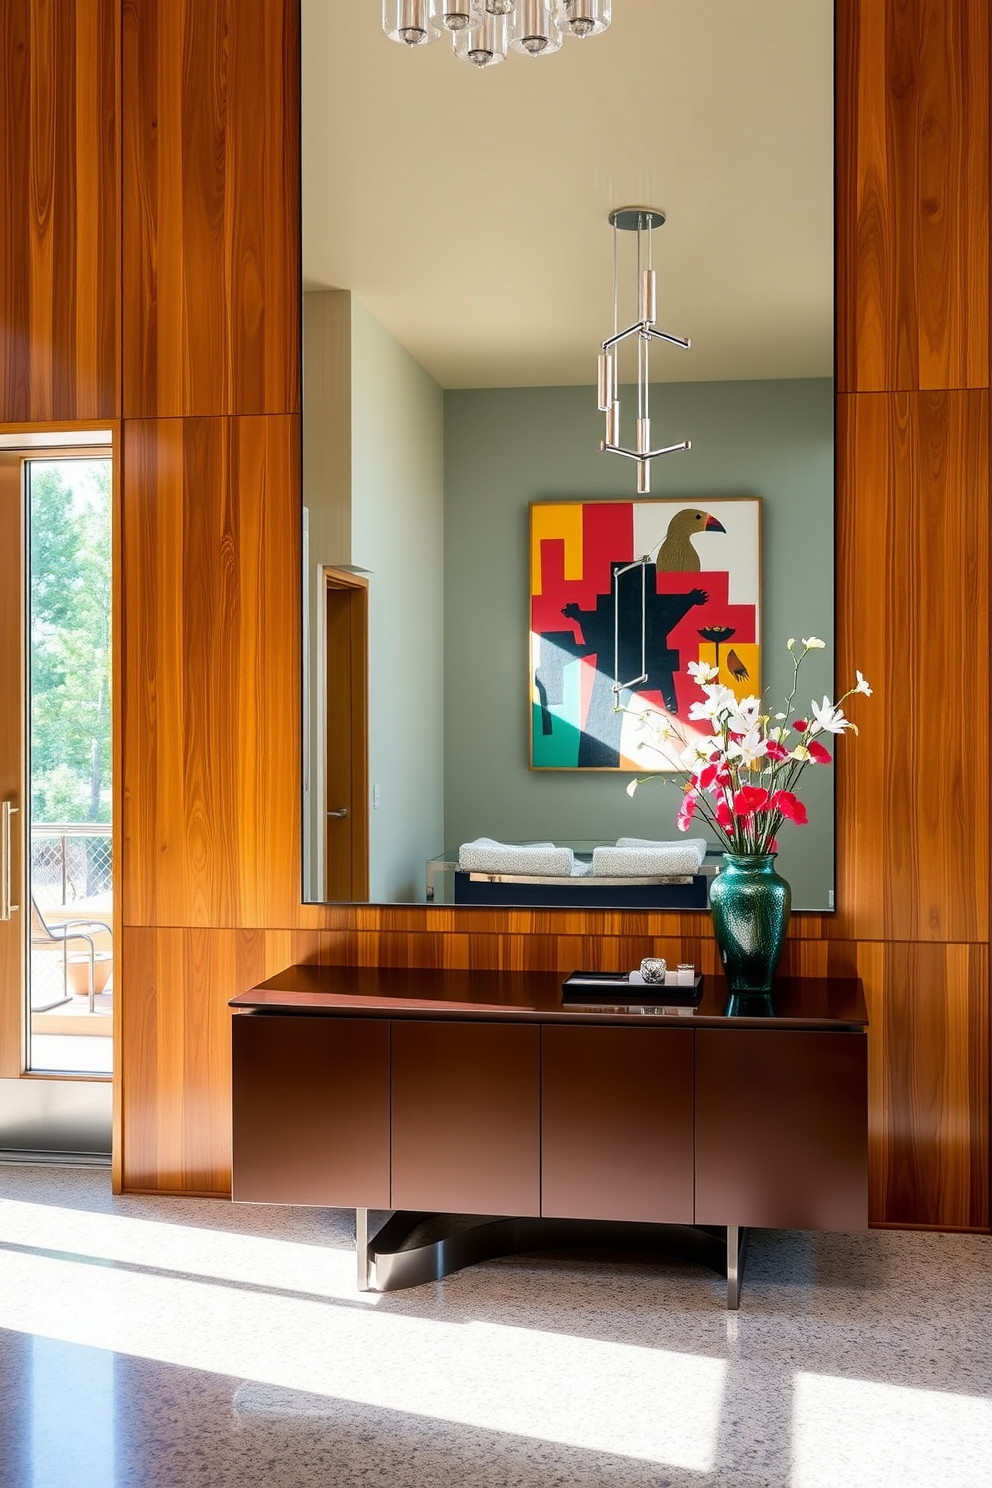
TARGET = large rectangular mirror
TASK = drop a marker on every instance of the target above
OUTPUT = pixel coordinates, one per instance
(458, 272)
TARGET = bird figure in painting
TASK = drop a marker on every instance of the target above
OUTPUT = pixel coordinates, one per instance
(676, 554)
(736, 667)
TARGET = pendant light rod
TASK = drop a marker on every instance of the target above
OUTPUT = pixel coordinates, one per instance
(642, 221)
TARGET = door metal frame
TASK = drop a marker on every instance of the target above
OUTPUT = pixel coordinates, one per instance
(51, 1116)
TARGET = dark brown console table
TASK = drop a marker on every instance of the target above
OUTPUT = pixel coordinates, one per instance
(454, 1093)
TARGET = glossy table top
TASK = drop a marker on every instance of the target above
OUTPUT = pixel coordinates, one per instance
(833, 1003)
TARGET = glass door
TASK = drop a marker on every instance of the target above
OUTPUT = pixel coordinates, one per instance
(68, 675)
(57, 944)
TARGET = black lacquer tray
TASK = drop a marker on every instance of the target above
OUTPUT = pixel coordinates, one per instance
(622, 988)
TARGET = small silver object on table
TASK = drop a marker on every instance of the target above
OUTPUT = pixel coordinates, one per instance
(653, 969)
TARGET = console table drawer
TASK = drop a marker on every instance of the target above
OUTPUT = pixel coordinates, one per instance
(782, 1129)
(466, 1117)
(616, 1115)
(311, 1110)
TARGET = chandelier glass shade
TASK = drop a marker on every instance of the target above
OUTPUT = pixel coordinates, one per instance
(482, 31)
(641, 332)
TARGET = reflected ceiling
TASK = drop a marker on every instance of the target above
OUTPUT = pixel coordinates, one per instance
(468, 209)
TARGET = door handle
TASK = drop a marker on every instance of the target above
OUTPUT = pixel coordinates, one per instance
(7, 909)
(341, 813)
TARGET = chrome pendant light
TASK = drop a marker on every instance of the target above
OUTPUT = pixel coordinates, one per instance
(482, 31)
(643, 221)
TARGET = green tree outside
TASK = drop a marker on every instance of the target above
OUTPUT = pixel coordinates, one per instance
(70, 516)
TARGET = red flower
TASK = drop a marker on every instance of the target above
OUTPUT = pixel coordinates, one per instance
(790, 806)
(686, 811)
(817, 753)
(801, 724)
(724, 815)
(751, 798)
(775, 750)
(708, 776)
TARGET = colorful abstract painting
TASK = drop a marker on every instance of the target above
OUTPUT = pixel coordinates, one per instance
(624, 595)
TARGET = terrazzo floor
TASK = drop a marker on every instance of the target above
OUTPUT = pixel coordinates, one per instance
(160, 1343)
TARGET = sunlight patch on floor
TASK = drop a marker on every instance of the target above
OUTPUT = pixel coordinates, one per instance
(253, 1260)
(863, 1434)
(624, 1399)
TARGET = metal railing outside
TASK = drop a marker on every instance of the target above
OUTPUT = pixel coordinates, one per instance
(70, 861)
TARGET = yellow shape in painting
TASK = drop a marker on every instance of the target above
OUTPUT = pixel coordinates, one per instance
(740, 666)
(562, 519)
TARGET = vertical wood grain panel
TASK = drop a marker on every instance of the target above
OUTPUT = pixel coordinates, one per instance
(928, 1083)
(913, 614)
(212, 279)
(174, 1054)
(912, 194)
(59, 230)
(211, 672)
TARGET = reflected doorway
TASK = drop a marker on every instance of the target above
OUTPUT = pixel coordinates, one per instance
(346, 769)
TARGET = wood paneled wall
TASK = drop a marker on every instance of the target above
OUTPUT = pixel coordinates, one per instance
(59, 227)
(913, 194)
(211, 671)
(212, 286)
(912, 608)
(209, 325)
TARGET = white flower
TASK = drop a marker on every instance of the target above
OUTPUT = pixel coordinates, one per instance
(744, 716)
(791, 642)
(632, 787)
(778, 734)
(657, 726)
(701, 671)
(698, 752)
(813, 643)
(800, 753)
(863, 686)
(748, 750)
(718, 700)
(828, 718)
(781, 715)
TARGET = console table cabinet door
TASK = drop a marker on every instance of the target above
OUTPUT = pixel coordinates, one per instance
(466, 1117)
(616, 1121)
(782, 1129)
(311, 1111)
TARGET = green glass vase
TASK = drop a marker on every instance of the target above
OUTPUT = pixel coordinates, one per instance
(750, 905)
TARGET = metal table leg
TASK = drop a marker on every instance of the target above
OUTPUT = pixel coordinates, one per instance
(362, 1255)
(736, 1253)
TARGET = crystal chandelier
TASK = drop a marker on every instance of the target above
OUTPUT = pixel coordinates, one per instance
(483, 30)
(642, 221)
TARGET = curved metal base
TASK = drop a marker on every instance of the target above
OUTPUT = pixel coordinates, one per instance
(398, 1256)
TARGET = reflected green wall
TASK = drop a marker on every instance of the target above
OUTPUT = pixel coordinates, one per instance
(504, 448)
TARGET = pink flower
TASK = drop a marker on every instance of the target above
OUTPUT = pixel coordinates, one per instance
(776, 751)
(686, 810)
(790, 806)
(817, 753)
(724, 815)
(751, 798)
(709, 776)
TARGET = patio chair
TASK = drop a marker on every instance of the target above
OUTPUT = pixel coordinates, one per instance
(61, 932)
